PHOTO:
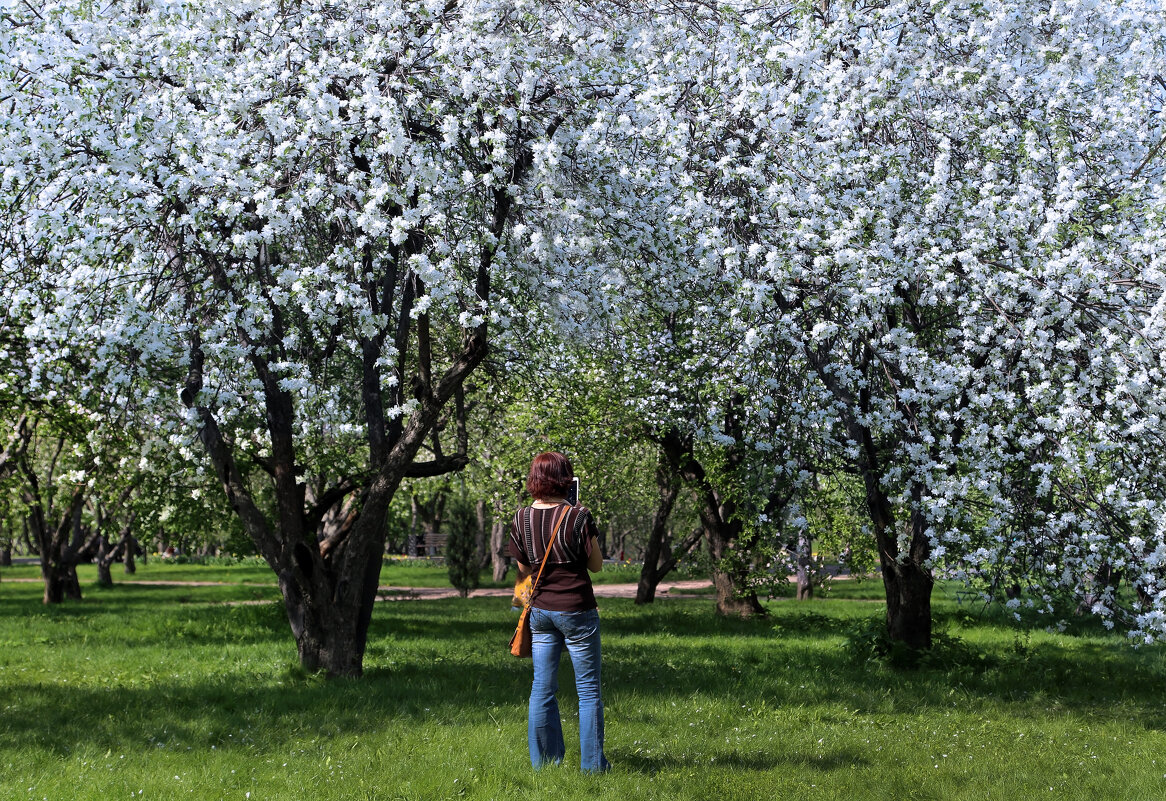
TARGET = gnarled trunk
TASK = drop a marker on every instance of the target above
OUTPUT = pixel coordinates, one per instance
(60, 545)
(908, 588)
(906, 579)
(719, 517)
(499, 551)
(329, 584)
(132, 549)
(105, 557)
(329, 621)
(734, 597)
(61, 582)
(660, 557)
(667, 488)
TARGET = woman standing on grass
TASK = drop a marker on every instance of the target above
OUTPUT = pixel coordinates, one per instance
(563, 610)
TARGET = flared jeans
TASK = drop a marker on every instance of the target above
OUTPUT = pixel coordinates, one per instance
(579, 633)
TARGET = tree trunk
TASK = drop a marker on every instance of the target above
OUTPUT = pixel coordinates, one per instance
(805, 566)
(329, 597)
(30, 543)
(649, 580)
(104, 560)
(907, 582)
(499, 550)
(60, 582)
(413, 543)
(734, 599)
(58, 554)
(908, 589)
(483, 532)
(721, 526)
(131, 551)
(655, 552)
(667, 488)
(330, 636)
(6, 555)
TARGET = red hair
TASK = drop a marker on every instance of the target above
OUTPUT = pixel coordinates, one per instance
(550, 475)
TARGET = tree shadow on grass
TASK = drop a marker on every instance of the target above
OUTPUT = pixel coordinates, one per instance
(233, 710)
(126, 599)
(639, 762)
(445, 663)
(147, 617)
(416, 620)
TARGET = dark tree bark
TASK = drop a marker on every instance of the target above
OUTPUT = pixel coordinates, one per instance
(59, 551)
(660, 558)
(482, 534)
(9, 459)
(499, 550)
(26, 538)
(59, 536)
(328, 591)
(734, 599)
(108, 552)
(906, 580)
(413, 541)
(132, 549)
(667, 488)
(105, 557)
(722, 529)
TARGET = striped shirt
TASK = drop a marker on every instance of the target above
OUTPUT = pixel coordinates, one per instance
(565, 585)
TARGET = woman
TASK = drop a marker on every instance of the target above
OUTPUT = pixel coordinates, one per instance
(563, 610)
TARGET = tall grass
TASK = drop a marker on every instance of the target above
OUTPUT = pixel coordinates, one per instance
(171, 692)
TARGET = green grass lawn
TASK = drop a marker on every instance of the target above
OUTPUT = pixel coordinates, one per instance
(396, 571)
(169, 692)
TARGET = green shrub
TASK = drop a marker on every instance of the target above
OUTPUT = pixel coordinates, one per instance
(462, 559)
(868, 641)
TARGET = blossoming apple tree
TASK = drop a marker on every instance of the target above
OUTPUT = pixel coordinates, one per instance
(952, 214)
(302, 220)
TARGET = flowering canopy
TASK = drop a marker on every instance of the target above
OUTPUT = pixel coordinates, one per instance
(952, 215)
(926, 238)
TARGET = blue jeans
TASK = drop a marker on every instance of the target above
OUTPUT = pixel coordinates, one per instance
(579, 632)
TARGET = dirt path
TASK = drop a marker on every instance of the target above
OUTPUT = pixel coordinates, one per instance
(664, 590)
(396, 593)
